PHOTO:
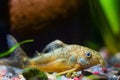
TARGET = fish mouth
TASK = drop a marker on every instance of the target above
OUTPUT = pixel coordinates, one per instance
(99, 59)
(102, 63)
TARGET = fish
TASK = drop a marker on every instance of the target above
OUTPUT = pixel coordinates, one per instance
(57, 56)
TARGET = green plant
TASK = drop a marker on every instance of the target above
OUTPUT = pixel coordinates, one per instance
(4, 54)
(34, 74)
(106, 16)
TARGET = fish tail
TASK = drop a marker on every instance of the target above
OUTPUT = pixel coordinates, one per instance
(4, 54)
(18, 58)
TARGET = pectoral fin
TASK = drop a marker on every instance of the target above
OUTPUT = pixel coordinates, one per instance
(68, 72)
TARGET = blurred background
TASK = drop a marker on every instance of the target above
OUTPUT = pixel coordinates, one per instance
(91, 23)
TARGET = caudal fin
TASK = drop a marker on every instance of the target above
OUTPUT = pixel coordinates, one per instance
(18, 58)
(18, 52)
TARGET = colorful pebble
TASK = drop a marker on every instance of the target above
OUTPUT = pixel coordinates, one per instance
(75, 78)
(96, 73)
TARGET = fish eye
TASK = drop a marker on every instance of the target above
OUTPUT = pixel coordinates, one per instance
(88, 54)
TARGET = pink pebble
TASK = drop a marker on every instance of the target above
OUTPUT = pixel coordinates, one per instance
(1, 77)
(96, 73)
(15, 78)
(75, 78)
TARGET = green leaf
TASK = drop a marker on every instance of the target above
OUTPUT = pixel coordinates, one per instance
(13, 48)
(111, 11)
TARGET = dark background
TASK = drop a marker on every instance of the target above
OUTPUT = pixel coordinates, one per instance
(78, 30)
(4, 24)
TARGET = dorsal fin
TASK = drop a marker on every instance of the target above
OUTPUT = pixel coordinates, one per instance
(53, 45)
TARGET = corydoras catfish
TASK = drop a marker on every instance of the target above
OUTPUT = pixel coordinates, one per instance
(55, 57)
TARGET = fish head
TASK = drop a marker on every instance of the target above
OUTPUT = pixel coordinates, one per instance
(88, 57)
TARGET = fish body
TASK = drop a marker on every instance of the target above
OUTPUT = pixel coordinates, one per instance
(55, 57)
